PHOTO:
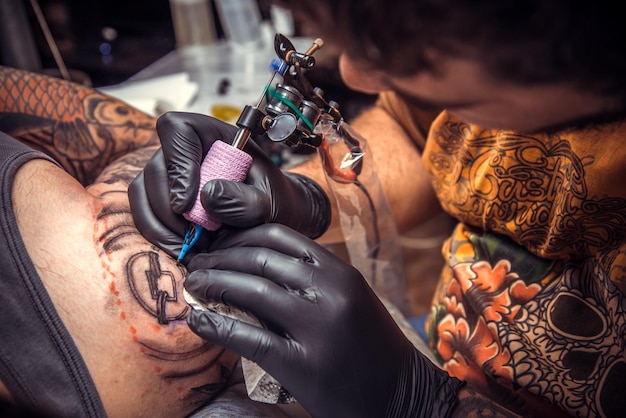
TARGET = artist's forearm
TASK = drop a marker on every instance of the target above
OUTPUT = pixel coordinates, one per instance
(398, 164)
(83, 129)
(474, 404)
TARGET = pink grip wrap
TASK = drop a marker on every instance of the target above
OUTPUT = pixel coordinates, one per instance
(225, 162)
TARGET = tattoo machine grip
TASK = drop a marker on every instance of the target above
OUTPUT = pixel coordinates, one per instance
(224, 162)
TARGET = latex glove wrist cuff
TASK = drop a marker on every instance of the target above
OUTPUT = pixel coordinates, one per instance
(423, 390)
(321, 213)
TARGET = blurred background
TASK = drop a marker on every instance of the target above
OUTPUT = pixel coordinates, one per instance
(107, 40)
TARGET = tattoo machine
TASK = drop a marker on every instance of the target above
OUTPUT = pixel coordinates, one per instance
(293, 112)
(272, 115)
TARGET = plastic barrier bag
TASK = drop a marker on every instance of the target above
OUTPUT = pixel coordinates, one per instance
(366, 219)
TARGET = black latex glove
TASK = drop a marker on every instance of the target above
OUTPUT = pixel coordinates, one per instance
(168, 185)
(328, 339)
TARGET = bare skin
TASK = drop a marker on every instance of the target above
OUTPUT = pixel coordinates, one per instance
(464, 90)
(119, 296)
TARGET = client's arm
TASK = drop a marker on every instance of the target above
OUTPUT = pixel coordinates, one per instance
(119, 296)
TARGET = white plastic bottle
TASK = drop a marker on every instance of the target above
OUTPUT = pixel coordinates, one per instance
(241, 21)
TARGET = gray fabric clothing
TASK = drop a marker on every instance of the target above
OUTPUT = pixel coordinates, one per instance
(39, 362)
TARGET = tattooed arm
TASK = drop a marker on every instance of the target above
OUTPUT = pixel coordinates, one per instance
(83, 129)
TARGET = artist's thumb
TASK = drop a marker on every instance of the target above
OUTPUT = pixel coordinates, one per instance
(236, 204)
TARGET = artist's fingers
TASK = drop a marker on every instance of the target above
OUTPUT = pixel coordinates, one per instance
(249, 341)
(262, 298)
(277, 237)
(148, 223)
(155, 176)
(236, 204)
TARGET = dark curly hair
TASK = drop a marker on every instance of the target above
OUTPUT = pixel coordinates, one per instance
(525, 41)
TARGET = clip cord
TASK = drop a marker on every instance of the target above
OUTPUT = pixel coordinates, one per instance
(336, 176)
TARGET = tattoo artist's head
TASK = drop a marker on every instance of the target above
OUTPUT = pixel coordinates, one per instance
(523, 65)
